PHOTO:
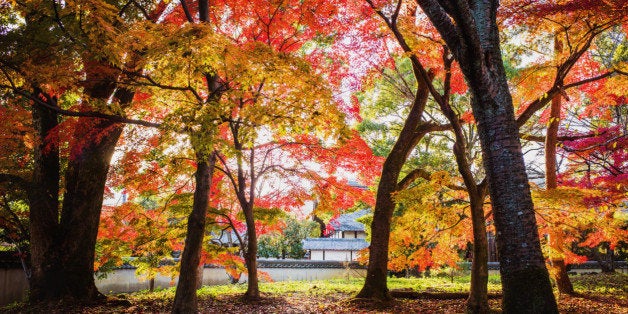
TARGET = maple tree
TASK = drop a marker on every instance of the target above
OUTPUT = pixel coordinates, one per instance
(243, 90)
(144, 234)
(400, 20)
(413, 130)
(574, 31)
(430, 227)
(40, 41)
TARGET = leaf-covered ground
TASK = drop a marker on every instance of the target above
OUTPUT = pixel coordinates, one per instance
(597, 294)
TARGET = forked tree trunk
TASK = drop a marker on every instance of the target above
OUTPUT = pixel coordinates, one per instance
(64, 247)
(85, 182)
(471, 33)
(185, 299)
(375, 285)
(67, 268)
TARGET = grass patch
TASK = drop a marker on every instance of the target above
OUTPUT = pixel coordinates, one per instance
(603, 284)
(602, 294)
(441, 284)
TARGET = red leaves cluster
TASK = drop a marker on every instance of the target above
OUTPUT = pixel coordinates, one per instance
(600, 161)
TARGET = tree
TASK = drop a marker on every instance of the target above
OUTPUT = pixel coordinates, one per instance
(375, 284)
(139, 233)
(287, 244)
(413, 130)
(258, 110)
(431, 225)
(574, 30)
(46, 39)
(474, 43)
(238, 88)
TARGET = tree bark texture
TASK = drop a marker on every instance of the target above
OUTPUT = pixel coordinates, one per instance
(375, 285)
(63, 242)
(44, 204)
(474, 42)
(525, 280)
(185, 299)
(85, 183)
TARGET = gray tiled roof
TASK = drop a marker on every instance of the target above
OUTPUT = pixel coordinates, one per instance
(334, 244)
(347, 222)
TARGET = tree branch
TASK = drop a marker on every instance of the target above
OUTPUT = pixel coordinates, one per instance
(91, 114)
(541, 139)
(443, 24)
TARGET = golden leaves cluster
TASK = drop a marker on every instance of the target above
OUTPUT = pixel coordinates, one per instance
(430, 226)
(260, 89)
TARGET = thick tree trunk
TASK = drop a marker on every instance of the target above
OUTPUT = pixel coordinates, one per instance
(64, 247)
(556, 266)
(185, 299)
(67, 268)
(375, 285)
(85, 183)
(471, 33)
(44, 205)
(525, 280)
(250, 257)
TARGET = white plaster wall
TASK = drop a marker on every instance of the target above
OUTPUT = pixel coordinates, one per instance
(342, 256)
(316, 255)
(292, 274)
(337, 256)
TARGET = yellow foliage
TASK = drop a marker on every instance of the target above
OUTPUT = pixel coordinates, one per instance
(430, 226)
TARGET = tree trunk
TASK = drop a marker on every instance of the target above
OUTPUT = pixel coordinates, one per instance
(250, 257)
(185, 299)
(478, 294)
(64, 247)
(478, 291)
(85, 182)
(471, 33)
(375, 285)
(199, 279)
(525, 280)
(44, 205)
(557, 268)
